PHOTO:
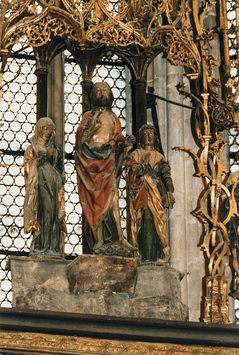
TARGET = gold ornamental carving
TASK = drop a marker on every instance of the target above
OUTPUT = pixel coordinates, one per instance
(216, 193)
(216, 305)
(131, 28)
(58, 344)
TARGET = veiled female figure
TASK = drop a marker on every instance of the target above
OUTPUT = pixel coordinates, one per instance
(44, 207)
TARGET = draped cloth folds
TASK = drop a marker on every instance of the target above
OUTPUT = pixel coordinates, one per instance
(148, 187)
(44, 204)
(96, 177)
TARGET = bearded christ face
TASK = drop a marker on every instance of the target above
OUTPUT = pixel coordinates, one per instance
(102, 95)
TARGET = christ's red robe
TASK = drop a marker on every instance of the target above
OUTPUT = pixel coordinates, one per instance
(96, 179)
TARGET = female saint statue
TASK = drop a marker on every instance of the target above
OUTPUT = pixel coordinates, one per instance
(44, 207)
(151, 191)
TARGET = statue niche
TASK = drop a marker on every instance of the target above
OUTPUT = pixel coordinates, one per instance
(99, 154)
(44, 205)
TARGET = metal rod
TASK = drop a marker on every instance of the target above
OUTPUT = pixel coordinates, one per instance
(171, 102)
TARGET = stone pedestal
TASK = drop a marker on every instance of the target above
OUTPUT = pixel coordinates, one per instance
(92, 284)
(40, 283)
(157, 294)
(99, 272)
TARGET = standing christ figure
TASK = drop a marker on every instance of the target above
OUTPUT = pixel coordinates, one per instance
(99, 148)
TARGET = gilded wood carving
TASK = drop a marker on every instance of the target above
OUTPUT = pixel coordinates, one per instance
(58, 344)
(131, 28)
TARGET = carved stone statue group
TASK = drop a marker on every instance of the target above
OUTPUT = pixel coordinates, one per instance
(100, 152)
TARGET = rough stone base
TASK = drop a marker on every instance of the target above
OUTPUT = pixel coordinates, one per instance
(31, 271)
(42, 298)
(159, 308)
(158, 281)
(100, 272)
(42, 284)
(39, 283)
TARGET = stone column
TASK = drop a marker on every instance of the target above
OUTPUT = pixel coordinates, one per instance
(86, 88)
(55, 90)
(193, 187)
(140, 106)
(128, 93)
(175, 137)
(183, 229)
(157, 79)
(41, 74)
(55, 105)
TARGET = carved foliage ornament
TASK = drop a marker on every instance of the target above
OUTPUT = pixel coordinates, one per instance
(133, 24)
(221, 112)
(180, 51)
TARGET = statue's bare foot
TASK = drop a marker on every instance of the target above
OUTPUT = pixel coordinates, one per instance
(123, 243)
